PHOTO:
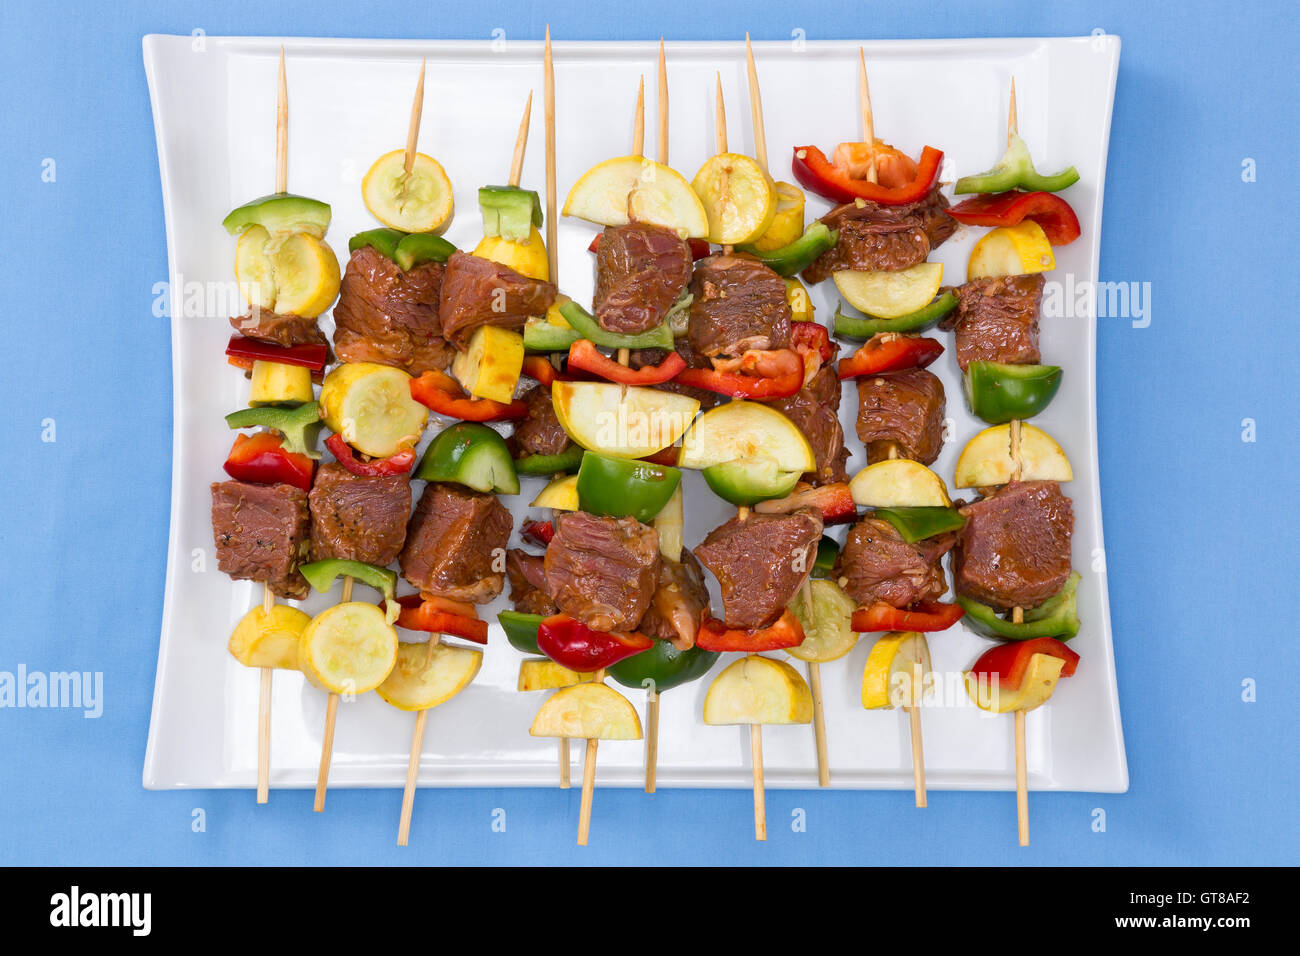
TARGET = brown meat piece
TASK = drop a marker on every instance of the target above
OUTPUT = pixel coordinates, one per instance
(276, 329)
(456, 543)
(389, 316)
(820, 423)
(679, 603)
(996, 320)
(1015, 548)
(760, 563)
(527, 574)
(639, 358)
(906, 408)
(640, 272)
(477, 291)
(883, 238)
(602, 571)
(876, 564)
(261, 534)
(540, 433)
(358, 518)
(739, 304)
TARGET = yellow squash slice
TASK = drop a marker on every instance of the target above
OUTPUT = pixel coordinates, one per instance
(1011, 251)
(894, 675)
(348, 649)
(986, 459)
(888, 295)
(740, 429)
(419, 681)
(269, 640)
(370, 405)
(620, 420)
(587, 711)
(418, 201)
(739, 197)
(1035, 687)
(542, 673)
(898, 483)
(758, 690)
(628, 188)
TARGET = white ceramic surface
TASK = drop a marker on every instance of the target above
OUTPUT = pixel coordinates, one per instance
(214, 109)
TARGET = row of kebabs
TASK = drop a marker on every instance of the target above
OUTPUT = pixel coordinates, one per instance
(614, 581)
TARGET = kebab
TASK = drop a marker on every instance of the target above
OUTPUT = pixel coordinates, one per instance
(747, 450)
(385, 327)
(602, 564)
(1014, 551)
(260, 516)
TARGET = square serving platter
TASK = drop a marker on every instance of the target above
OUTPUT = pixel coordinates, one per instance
(214, 111)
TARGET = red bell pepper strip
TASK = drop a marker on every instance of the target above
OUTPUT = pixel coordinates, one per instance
(890, 352)
(539, 368)
(398, 464)
(922, 616)
(812, 337)
(714, 635)
(440, 616)
(538, 532)
(443, 394)
(815, 172)
(574, 645)
(781, 375)
(1049, 210)
(308, 356)
(834, 501)
(261, 458)
(584, 356)
(1007, 663)
(699, 247)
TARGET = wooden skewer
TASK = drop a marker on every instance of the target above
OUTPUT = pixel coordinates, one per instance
(868, 120)
(662, 141)
(521, 143)
(638, 123)
(1018, 613)
(814, 668)
(552, 260)
(720, 117)
(413, 130)
(282, 132)
(268, 596)
(331, 716)
(918, 751)
(588, 779)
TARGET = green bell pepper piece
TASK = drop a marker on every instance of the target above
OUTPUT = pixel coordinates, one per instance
(383, 241)
(521, 630)
(624, 487)
(566, 462)
(1015, 170)
(828, 552)
(584, 323)
(540, 335)
(1057, 617)
(472, 455)
(421, 247)
(321, 575)
(798, 255)
(298, 424)
(663, 666)
(999, 393)
(858, 327)
(917, 524)
(509, 212)
(280, 214)
(747, 481)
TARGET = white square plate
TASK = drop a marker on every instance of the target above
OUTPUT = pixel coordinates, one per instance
(214, 107)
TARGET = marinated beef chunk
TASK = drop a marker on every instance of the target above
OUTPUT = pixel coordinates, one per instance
(760, 563)
(540, 433)
(527, 573)
(996, 320)
(602, 571)
(261, 534)
(477, 291)
(389, 316)
(906, 408)
(826, 387)
(679, 603)
(640, 272)
(358, 518)
(276, 329)
(739, 304)
(876, 564)
(1015, 548)
(455, 542)
(883, 238)
(820, 423)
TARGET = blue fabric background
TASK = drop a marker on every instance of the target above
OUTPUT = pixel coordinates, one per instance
(1201, 526)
